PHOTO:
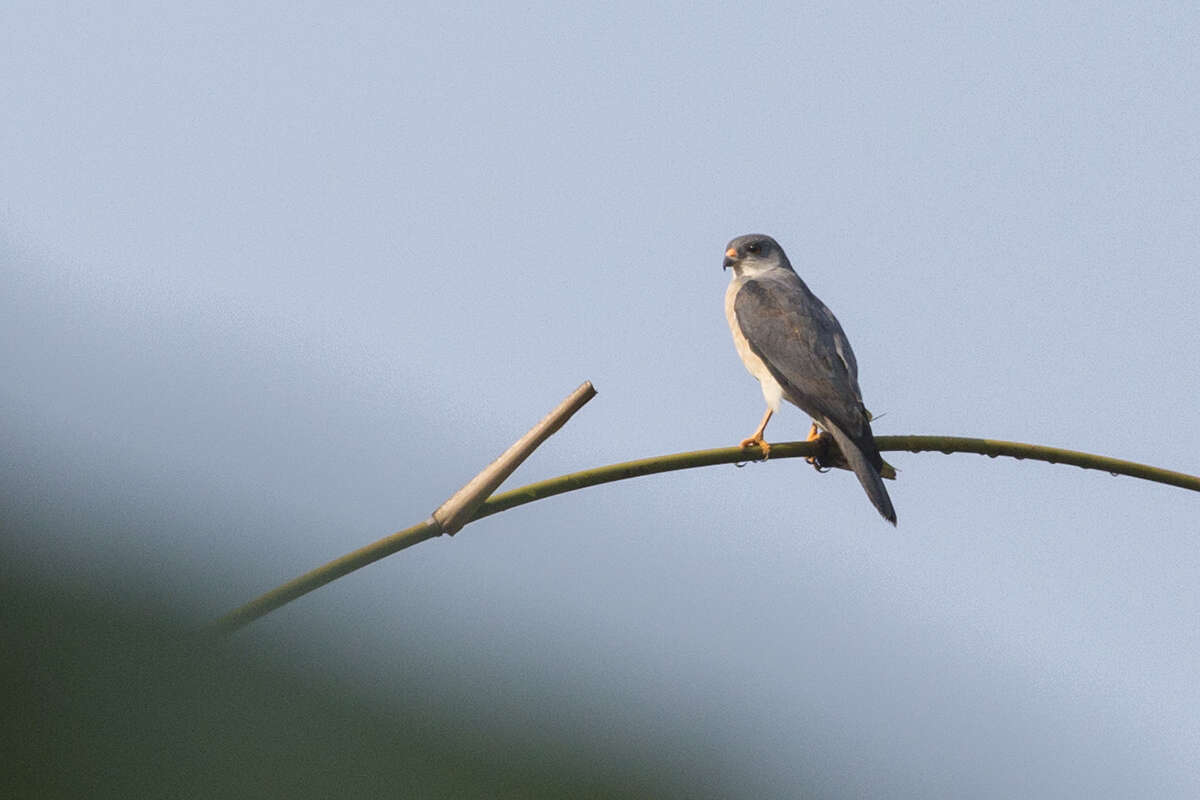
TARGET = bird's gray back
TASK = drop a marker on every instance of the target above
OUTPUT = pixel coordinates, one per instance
(804, 346)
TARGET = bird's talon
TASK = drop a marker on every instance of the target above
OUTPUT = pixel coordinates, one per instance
(760, 443)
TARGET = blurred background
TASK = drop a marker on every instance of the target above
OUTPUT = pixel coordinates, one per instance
(276, 280)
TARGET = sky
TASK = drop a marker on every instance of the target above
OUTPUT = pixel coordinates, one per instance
(276, 280)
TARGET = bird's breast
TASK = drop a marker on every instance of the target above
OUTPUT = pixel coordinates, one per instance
(772, 391)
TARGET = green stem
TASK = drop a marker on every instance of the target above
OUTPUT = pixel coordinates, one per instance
(327, 573)
(669, 463)
(915, 444)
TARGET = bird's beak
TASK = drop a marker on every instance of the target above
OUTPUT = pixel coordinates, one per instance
(730, 256)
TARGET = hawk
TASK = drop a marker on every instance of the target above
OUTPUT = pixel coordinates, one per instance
(793, 344)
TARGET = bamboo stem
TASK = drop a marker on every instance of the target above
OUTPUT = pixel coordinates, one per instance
(480, 508)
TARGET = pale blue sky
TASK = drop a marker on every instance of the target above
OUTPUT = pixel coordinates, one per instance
(280, 279)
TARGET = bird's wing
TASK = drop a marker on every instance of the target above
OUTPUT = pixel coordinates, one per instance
(803, 346)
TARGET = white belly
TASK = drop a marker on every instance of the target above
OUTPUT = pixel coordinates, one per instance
(772, 391)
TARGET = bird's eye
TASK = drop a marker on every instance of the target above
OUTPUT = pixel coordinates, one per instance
(753, 247)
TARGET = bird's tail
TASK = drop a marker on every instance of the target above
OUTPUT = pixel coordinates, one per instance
(868, 474)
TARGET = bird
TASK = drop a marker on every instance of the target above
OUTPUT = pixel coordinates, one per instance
(793, 344)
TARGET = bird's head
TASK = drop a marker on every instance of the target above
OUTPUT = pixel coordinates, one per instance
(754, 253)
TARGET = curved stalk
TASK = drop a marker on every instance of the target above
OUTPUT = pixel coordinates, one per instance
(669, 463)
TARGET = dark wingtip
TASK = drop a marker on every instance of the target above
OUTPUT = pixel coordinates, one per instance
(879, 499)
(873, 483)
(857, 458)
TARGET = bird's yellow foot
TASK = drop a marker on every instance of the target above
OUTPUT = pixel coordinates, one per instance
(814, 433)
(760, 442)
